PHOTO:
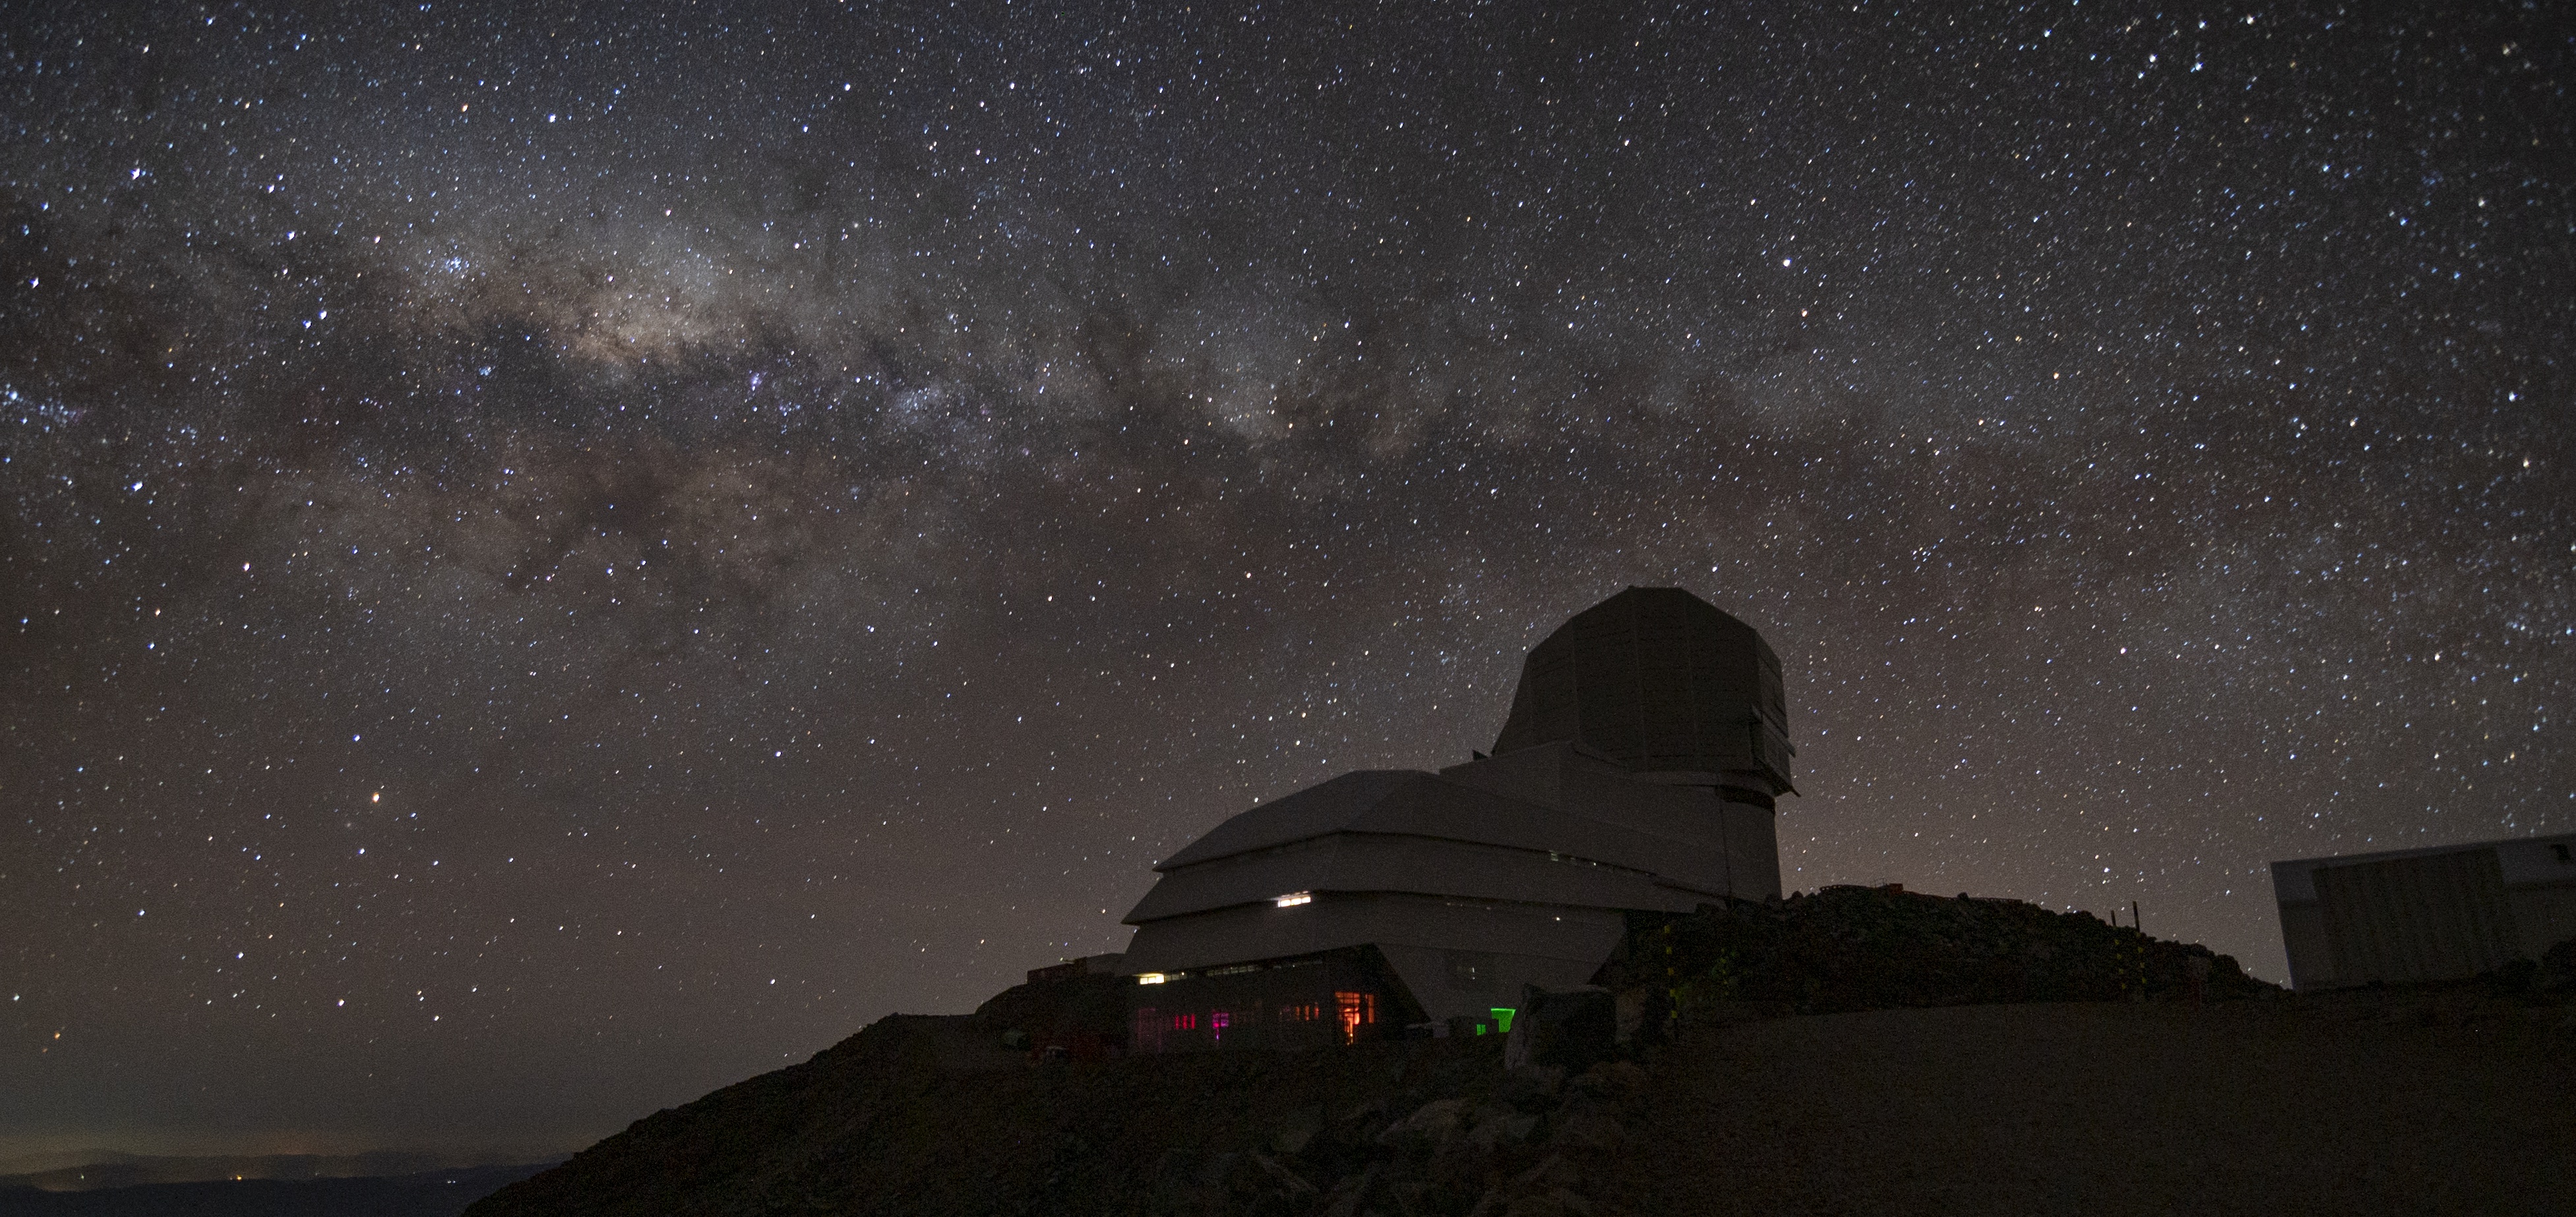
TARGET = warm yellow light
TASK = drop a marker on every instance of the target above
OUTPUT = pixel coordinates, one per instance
(1293, 899)
(1149, 978)
(377, 797)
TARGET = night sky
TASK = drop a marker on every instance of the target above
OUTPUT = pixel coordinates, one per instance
(553, 561)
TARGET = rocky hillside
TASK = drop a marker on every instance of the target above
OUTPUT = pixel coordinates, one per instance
(1866, 948)
(922, 1115)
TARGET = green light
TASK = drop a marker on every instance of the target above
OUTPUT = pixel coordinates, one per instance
(1503, 1018)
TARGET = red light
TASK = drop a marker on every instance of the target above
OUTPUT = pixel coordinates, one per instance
(1357, 1010)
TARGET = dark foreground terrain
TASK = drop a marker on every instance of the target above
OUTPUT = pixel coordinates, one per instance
(2423, 1102)
(1854, 1052)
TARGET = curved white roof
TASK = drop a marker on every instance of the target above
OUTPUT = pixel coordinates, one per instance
(1408, 802)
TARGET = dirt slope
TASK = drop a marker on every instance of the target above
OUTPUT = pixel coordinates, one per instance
(2440, 1101)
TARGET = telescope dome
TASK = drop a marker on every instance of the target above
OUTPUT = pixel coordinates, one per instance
(1659, 681)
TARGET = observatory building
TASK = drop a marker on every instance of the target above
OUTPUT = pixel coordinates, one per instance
(1646, 743)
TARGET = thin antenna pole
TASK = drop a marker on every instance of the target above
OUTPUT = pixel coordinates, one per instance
(2133, 915)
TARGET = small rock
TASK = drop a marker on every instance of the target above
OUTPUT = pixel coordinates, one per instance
(1351, 1192)
(1531, 1086)
(1438, 1120)
(1413, 1197)
(1503, 1130)
(1588, 1131)
(1630, 1006)
(1570, 1027)
(1294, 1181)
(1552, 1171)
(1614, 1081)
(1298, 1131)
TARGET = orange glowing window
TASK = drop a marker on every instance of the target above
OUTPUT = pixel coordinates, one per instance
(1305, 1012)
(1357, 1010)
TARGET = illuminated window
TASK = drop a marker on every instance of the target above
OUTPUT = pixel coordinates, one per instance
(1305, 1012)
(1293, 899)
(1185, 1022)
(1357, 1010)
(1150, 978)
(1218, 1021)
(1503, 1018)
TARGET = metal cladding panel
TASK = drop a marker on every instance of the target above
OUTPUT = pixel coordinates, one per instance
(1657, 680)
(1448, 811)
(1366, 862)
(2303, 939)
(1561, 777)
(2292, 882)
(1752, 851)
(1450, 983)
(1244, 932)
(2546, 915)
(2433, 917)
(1251, 932)
(1312, 812)
(2538, 859)
(1409, 803)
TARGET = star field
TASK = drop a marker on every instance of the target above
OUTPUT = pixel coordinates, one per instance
(552, 561)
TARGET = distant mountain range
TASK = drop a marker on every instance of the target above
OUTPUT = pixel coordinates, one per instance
(93, 1169)
(433, 1193)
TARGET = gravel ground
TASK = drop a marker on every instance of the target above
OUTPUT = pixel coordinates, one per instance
(2368, 1102)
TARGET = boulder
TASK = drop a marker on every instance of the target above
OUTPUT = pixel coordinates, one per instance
(1570, 1029)
(1435, 1121)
